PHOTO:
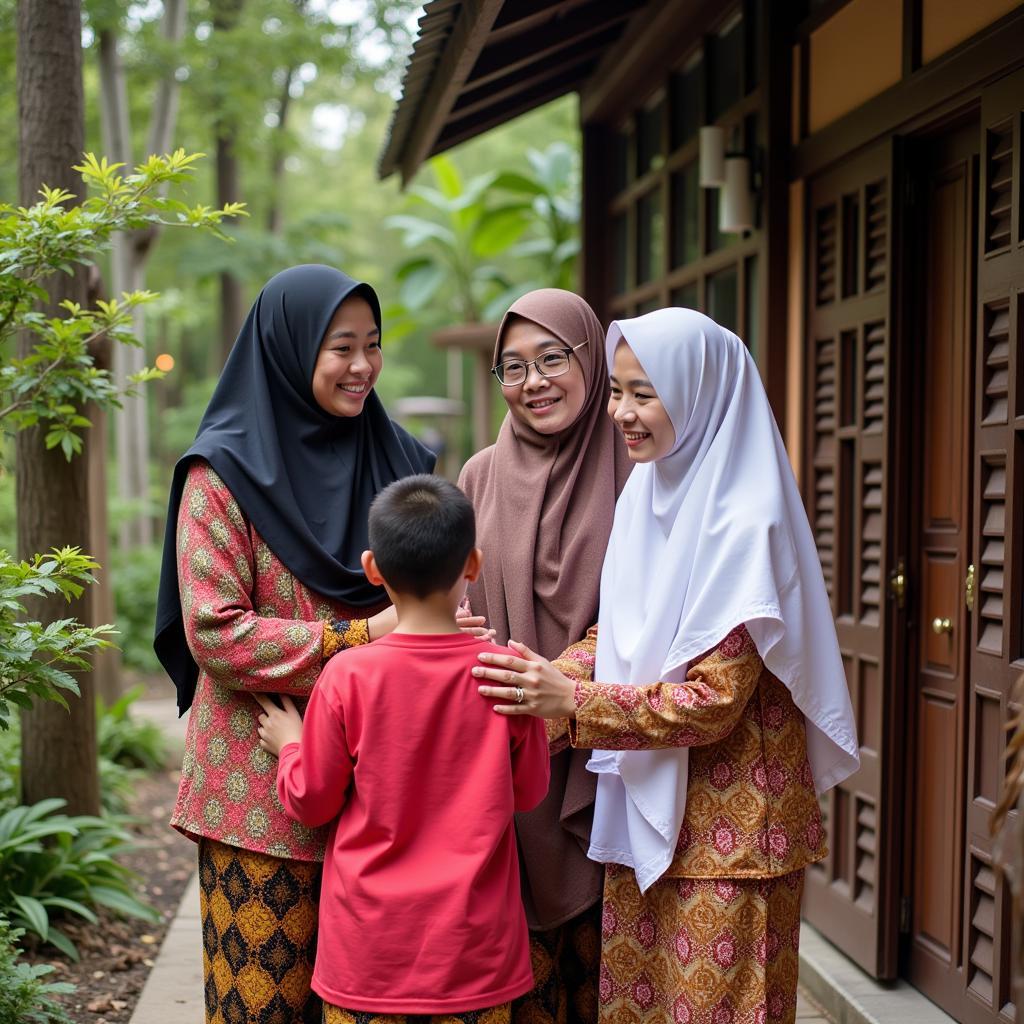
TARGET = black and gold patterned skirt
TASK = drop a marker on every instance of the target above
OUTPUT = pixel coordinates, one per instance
(501, 1014)
(565, 964)
(259, 917)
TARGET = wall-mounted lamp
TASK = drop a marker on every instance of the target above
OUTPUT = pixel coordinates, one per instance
(732, 174)
(712, 156)
(736, 198)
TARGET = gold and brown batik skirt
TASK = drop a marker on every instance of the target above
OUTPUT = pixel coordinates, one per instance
(565, 962)
(500, 1014)
(699, 951)
(259, 916)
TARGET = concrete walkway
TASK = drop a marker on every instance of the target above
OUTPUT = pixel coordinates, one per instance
(173, 993)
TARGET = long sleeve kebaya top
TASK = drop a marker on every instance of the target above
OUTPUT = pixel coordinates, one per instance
(420, 911)
(751, 808)
(251, 627)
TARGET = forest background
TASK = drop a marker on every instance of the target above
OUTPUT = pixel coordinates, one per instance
(304, 90)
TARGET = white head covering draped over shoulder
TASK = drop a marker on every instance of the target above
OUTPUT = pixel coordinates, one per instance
(711, 536)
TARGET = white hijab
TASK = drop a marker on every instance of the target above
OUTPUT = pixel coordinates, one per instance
(710, 536)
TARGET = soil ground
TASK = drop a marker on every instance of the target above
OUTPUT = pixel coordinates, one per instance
(118, 953)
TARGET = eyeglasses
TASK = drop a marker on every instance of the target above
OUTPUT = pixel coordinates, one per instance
(514, 372)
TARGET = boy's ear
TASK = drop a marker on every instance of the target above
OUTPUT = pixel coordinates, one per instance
(369, 564)
(474, 563)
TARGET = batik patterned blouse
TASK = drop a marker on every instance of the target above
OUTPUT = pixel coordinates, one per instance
(252, 628)
(751, 809)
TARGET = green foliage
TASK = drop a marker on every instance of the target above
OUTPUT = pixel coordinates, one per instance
(52, 865)
(52, 384)
(126, 740)
(25, 995)
(492, 237)
(135, 574)
(127, 747)
(35, 659)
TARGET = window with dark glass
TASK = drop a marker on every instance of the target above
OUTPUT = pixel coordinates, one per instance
(648, 137)
(620, 161)
(620, 248)
(650, 240)
(722, 298)
(686, 295)
(685, 216)
(725, 80)
(752, 305)
(685, 97)
(648, 305)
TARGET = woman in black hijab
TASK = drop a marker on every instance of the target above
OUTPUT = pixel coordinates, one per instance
(260, 584)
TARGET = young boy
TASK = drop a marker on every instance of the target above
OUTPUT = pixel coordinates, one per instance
(420, 911)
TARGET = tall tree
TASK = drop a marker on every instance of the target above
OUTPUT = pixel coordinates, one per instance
(131, 251)
(226, 14)
(58, 747)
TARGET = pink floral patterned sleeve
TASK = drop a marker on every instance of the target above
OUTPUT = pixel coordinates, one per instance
(233, 642)
(701, 711)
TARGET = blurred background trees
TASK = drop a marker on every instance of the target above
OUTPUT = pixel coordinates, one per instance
(291, 101)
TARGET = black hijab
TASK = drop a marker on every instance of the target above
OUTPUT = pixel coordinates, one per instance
(303, 478)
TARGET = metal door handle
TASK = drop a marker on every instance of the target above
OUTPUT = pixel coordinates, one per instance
(941, 626)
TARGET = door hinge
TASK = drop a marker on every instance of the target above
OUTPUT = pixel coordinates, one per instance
(969, 588)
(898, 583)
(905, 915)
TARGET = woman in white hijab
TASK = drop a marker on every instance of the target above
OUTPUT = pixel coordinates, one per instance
(706, 810)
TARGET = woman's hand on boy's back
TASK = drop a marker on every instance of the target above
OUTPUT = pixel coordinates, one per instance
(532, 684)
(278, 726)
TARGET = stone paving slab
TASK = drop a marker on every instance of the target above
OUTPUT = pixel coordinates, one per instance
(850, 996)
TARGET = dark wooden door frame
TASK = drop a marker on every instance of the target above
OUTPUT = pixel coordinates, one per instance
(907, 441)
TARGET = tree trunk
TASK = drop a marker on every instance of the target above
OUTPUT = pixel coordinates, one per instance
(275, 218)
(128, 266)
(58, 756)
(225, 17)
(106, 664)
(231, 311)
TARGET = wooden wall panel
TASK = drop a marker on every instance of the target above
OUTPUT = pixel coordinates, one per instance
(848, 397)
(997, 644)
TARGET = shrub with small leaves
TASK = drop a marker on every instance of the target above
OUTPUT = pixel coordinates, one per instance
(26, 997)
(36, 660)
(52, 384)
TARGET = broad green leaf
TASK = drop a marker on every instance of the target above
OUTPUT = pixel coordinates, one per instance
(499, 229)
(421, 285)
(34, 913)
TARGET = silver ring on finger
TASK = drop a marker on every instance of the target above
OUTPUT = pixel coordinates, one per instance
(520, 695)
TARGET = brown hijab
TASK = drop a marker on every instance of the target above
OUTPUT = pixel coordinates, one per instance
(546, 503)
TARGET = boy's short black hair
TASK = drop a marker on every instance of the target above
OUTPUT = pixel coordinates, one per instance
(422, 529)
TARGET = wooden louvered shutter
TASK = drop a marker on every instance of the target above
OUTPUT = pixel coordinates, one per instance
(997, 647)
(847, 492)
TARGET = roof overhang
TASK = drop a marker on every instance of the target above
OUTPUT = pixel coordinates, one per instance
(479, 63)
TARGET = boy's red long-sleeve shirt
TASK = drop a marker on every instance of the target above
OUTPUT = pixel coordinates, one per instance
(420, 909)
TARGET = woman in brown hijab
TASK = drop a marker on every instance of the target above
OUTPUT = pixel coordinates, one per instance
(544, 496)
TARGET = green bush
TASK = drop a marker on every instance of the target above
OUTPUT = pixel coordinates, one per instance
(135, 575)
(126, 745)
(129, 741)
(55, 864)
(25, 997)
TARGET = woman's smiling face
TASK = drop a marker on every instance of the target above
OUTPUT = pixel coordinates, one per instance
(350, 359)
(637, 411)
(547, 404)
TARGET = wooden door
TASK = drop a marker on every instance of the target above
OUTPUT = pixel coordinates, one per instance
(848, 489)
(997, 636)
(944, 250)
